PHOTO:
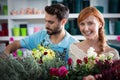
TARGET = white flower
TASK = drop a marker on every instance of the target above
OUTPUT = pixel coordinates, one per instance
(110, 56)
(102, 57)
(27, 53)
(91, 49)
(91, 52)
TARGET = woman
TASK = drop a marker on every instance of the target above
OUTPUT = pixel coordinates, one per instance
(91, 24)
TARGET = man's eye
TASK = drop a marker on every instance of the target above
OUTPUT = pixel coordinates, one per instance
(51, 22)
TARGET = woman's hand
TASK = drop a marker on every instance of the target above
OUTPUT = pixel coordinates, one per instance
(89, 77)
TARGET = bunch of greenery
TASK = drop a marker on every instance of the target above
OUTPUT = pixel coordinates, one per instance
(33, 67)
(19, 69)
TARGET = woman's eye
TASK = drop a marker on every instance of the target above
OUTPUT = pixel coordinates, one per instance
(90, 23)
(81, 24)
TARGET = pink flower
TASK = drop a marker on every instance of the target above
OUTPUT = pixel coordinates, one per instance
(11, 39)
(79, 61)
(53, 72)
(118, 38)
(15, 54)
(70, 61)
(63, 71)
(57, 72)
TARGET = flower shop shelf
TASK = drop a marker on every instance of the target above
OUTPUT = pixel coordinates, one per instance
(109, 37)
(15, 20)
(105, 15)
(3, 17)
(4, 38)
(79, 37)
(8, 38)
(40, 16)
(18, 37)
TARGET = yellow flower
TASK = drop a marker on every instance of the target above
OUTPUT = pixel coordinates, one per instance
(50, 55)
(36, 54)
(43, 53)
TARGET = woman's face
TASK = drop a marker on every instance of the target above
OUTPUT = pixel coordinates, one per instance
(89, 27)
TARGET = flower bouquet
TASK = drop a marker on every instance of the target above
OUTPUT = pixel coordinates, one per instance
(99, 67)
(44, 64)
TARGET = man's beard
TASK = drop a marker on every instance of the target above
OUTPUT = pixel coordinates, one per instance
(53, 32)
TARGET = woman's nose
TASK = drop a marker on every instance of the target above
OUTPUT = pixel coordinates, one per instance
(85, 27)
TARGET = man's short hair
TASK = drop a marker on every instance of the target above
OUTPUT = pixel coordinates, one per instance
(59, 10)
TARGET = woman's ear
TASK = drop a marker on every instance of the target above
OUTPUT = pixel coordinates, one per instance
(100, 25)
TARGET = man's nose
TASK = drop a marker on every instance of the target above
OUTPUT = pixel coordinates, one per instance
(46, 24)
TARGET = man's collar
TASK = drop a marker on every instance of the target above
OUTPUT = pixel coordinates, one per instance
(64, 43)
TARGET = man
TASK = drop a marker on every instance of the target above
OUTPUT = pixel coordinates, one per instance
(55, 35)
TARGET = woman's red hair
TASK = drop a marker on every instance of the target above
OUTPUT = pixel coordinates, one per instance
(88, 11)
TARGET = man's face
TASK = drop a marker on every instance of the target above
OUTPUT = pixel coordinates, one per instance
(53, 25)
